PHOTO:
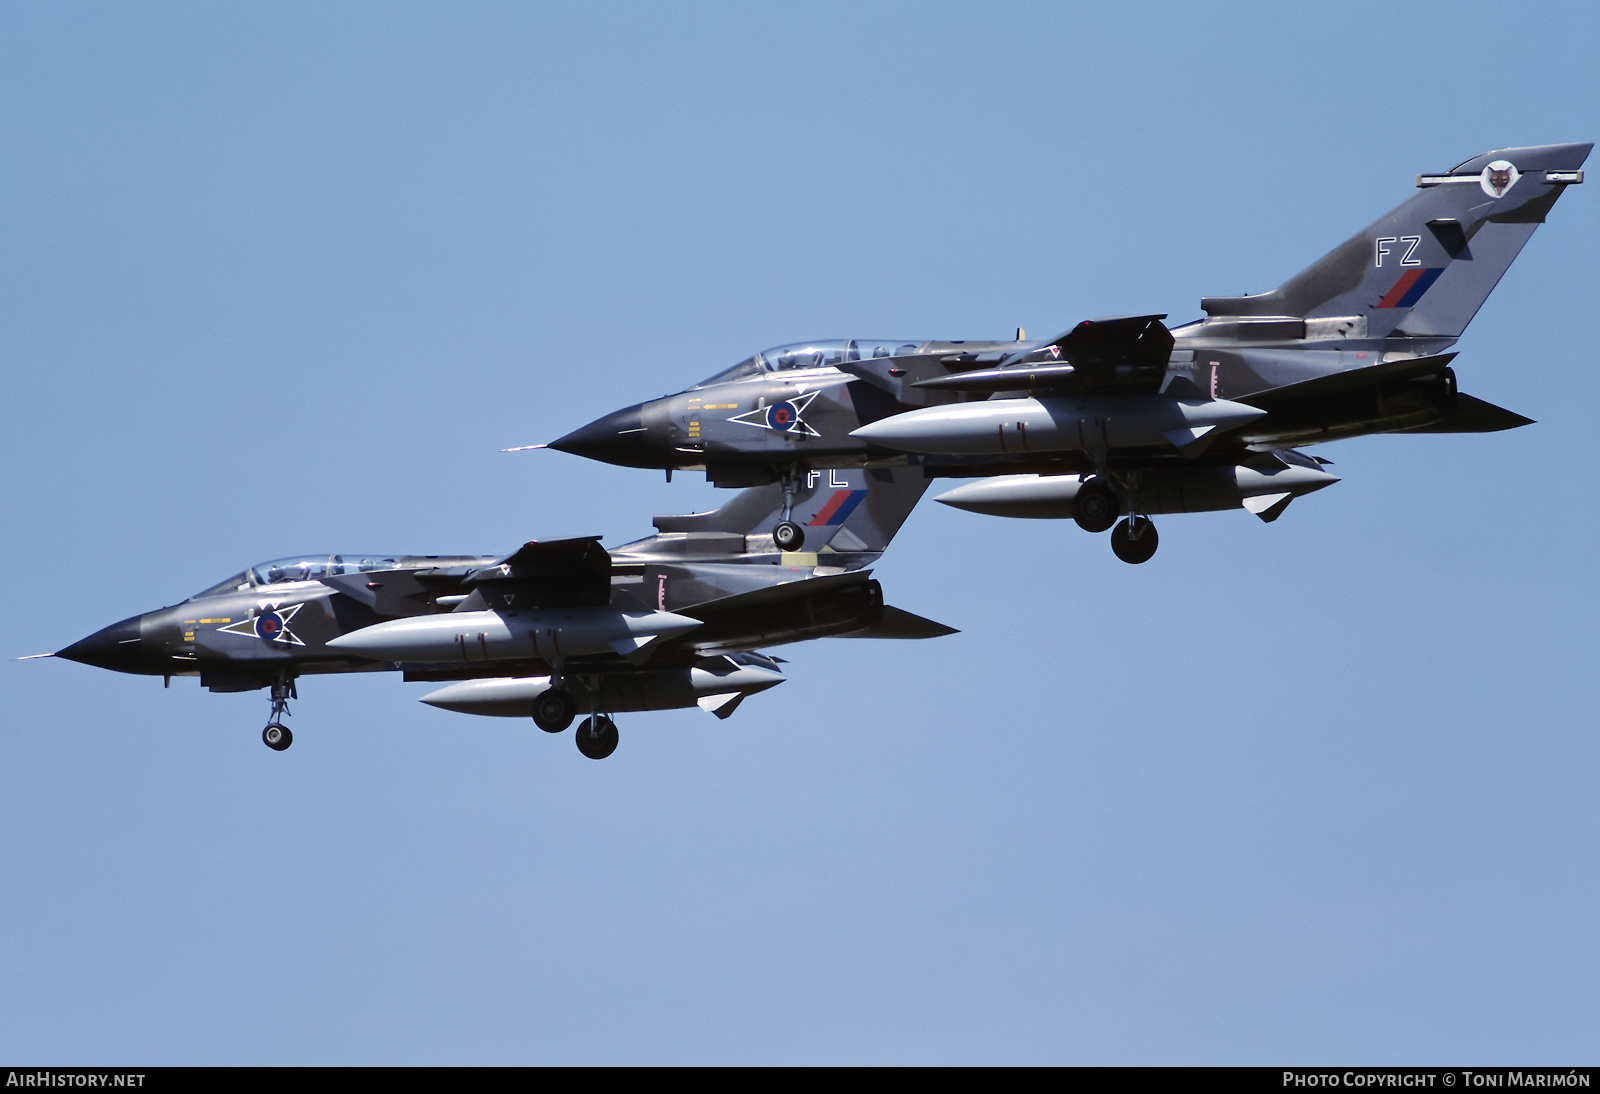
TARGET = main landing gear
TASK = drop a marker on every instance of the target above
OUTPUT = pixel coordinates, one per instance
(788, 535)
(597, 737)
(555, 709)
(277, 736)
(1134, 540)
(1097, 507)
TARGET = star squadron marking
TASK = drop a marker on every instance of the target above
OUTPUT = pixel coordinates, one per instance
(782, 417)
(272, 625)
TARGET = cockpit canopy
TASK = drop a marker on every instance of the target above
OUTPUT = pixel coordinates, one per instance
(300, 568)
(799, 355)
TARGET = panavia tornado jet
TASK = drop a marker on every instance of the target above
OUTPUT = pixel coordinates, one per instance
(557, 627)
(1120, 418)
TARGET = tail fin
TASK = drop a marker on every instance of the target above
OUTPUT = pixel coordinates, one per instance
(1424, 268)
(851, 511)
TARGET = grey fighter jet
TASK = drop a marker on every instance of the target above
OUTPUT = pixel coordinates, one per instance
(557, 627)
(1122, 417)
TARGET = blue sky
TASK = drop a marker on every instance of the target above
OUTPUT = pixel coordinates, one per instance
(285, 278)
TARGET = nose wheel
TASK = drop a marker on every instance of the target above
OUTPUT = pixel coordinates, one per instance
(788, 535)
(277, 736)
(597, 737)
(1134, 540)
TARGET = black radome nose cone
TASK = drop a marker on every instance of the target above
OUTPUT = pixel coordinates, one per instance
(620, 438)
(117, 647)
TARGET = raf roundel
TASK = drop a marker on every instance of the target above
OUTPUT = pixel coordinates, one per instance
(782, 416)
(269, 625)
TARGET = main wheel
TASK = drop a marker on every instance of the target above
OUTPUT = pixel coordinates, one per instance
(789, 536)
(554, 710)
(277, 737)
(597, 737)
(1096, 506)
(1135, 545)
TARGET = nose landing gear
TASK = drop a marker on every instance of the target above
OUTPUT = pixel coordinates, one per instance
(277, 736)
(788, 535)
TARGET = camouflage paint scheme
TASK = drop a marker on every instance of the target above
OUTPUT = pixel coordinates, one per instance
(274, 622)
(1354, 344)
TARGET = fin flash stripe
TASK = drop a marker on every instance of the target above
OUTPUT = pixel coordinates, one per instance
(1409, 289)
(838, 509)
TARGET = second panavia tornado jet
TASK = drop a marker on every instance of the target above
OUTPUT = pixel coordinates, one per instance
(1122, 417)
(557, 627)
